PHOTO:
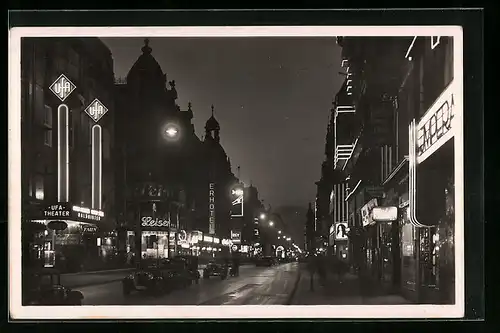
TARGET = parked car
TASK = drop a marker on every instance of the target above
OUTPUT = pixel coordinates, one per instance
(157, 278)
(43, 287)
(214, 268)
(191, 264)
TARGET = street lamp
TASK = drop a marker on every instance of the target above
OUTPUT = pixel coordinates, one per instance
(262, 216)
(171, 131)
(279, 232)
(271, 223)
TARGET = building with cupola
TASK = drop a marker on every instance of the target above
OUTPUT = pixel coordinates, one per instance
(164, 171)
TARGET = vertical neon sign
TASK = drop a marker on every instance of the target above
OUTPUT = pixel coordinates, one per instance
(62, 87)
(96, 110)
(211, 209)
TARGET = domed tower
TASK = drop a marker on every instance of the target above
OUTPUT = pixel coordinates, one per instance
(212, 128)
(146, 79)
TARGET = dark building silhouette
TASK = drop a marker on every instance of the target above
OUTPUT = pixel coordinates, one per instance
(310, 231)
(87, 63)
(165, 169)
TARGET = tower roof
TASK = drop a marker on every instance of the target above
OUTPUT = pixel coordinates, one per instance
(212, 123)
(146, 63)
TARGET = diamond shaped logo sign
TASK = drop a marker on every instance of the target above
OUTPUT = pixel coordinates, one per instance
(62, 87)
(96, 110)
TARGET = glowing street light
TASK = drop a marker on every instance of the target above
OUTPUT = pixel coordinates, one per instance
(279, 232)
(262, 216)
(271, 223)
(289, 239)
(171, 132)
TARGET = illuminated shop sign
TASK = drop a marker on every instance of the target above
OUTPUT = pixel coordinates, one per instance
(148, 221)
(436, 126)
(88, 214)
(227, 242)
(195, 236)
(235, 237)
(208, 239)
(65, 210)
(237, 196)
(211, 209)
(385, 214)
(366, 216)
(58, 210)
(341, 230)
(89, 229)
(216, 240)
(154, 191)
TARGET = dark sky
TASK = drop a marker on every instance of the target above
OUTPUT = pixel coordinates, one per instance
(272, 98)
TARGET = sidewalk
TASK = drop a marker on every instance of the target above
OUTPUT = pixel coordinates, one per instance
(348, 291)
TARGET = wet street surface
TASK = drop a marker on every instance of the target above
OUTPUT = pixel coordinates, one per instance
(254, 286)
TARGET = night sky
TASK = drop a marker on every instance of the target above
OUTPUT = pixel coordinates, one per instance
(272, 98)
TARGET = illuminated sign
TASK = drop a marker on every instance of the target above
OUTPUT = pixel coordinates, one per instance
(234, 248)
(96, 110)
(341, 230)
(216, 240)
(148, 221)
(385, 214)
(195, 236)
(235, 237)
(62, 87)
(63, 153)
(227, 242)
(58, 210)
(87, 213)
(208, 239)
(366, 212)
(435, 128)
(97, 167)
(89, 229)
(211, 209)
(237, 196)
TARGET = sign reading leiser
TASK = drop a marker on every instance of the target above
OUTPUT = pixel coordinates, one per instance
(436, 126)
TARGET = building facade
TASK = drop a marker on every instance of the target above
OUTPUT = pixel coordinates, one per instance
(67, 171)
(174, 187)
(403, 158)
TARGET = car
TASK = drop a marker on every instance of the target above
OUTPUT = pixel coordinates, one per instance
(43, 287)
(157, 278)
(214, 268)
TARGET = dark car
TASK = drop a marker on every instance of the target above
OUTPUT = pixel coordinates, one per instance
(214, 268)
(43, 287)
(191, 266)
(266, 261)
(157, 278)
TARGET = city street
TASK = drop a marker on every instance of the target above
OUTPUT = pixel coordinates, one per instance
(254, 286)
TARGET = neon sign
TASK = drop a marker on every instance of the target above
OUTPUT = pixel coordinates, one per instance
(237, 194)
(211, 209)
(436, 126)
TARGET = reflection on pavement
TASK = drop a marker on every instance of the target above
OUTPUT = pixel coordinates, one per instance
(255, 285)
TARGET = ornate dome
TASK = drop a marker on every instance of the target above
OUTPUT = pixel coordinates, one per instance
(146, 65)
(212, 124)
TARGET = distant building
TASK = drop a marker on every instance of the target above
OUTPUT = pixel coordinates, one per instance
(57, 147)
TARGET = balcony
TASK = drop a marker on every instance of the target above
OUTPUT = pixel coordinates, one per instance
(342, 154)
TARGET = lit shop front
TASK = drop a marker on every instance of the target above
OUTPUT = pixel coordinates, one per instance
(71, 235)
(432, 196)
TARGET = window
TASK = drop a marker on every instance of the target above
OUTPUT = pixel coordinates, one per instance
(39, 190)
(47, 137)
(47, 116)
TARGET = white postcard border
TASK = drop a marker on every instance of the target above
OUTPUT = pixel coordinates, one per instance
(17, 311)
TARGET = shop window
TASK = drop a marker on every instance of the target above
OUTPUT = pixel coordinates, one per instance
(429, 257)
